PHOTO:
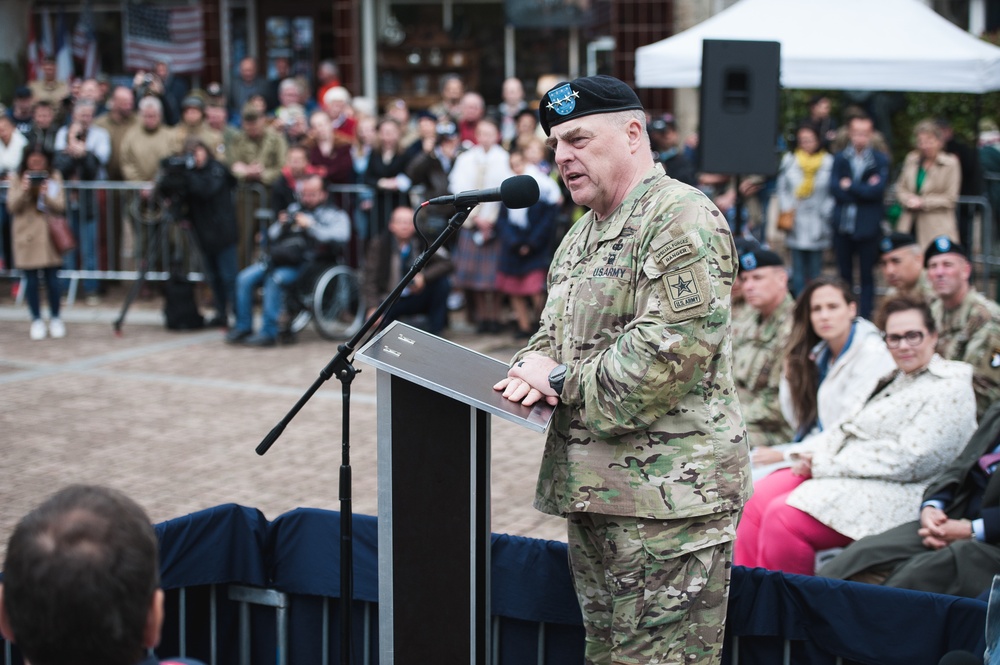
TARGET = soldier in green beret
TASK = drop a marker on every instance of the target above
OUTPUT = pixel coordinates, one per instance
(647, 453)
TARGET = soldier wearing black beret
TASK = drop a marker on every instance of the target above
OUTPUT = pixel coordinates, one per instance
(968, 322)
(648, 448)
(902, 262)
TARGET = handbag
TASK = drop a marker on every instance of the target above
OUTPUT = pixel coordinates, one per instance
(61, 234)
(786, 220)
(290, 249)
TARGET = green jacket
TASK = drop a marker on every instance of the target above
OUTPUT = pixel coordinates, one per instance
(971, 333)
(759, 347)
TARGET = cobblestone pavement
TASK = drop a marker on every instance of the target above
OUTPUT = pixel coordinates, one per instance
(172, 418)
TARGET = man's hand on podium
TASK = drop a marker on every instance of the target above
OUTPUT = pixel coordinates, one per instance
(528, 380)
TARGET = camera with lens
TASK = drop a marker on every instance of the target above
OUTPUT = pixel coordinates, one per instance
(171, 181)
(36, 178)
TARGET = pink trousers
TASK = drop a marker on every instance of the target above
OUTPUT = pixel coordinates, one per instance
(773, 535)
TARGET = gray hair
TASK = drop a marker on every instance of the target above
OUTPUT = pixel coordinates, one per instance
(151, 102)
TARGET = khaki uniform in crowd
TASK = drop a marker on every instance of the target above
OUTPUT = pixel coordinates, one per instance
(211, 138)
(758, 351)
(270, 152)
(117, 131)
(971, 333)
(143, 150)
(53, 92)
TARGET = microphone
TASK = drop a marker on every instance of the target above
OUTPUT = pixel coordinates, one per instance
(520, 191)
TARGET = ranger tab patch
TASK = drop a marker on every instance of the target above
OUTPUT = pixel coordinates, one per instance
(685, 292)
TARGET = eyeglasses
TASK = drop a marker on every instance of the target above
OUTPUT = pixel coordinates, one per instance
(912, 337)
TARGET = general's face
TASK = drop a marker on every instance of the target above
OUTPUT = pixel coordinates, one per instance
(901, 267)
(830, 314)
(764, 288)
(589, 151)
(900, 329)
(948, 274)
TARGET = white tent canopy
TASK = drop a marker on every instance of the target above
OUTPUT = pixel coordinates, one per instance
(836, 45)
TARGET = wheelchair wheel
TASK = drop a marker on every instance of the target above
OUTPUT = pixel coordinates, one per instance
(338, 310)
(297, 306)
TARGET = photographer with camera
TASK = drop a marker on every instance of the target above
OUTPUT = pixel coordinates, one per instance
(293, 240)
(82, 152)
(34, 192)
(209, 196)
(163, 85)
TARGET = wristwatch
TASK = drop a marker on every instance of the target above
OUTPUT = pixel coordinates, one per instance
(557, 377)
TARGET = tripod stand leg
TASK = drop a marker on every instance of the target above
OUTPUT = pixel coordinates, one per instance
(151, 250)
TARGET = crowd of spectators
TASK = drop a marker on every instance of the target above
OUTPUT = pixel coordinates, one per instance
(857, 401)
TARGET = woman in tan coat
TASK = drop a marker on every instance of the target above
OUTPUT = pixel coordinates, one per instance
(928, 187)
(33, 191)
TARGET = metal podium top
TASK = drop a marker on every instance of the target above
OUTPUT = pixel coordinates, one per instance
(450, 369)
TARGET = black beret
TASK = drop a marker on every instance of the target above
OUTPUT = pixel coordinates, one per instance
(23, 92)
(894, 241)
(759, 258)
(942, 245)
(585, 96)
(662, 123)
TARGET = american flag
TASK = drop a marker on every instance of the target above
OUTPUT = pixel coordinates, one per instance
(172, 34)
(84, 43)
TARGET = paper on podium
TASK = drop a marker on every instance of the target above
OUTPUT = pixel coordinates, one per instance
(450, 369)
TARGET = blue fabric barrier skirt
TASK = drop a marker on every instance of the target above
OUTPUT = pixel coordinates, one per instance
(299, 553)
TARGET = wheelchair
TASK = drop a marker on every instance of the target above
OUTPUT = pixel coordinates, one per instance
(328, 293)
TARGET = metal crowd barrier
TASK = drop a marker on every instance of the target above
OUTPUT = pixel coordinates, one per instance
(119, 225)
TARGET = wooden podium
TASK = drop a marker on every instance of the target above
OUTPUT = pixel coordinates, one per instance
(435, 399)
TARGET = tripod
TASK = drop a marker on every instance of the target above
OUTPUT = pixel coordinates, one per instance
(160, 224)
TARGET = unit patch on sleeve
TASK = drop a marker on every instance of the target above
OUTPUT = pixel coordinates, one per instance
(684, 290)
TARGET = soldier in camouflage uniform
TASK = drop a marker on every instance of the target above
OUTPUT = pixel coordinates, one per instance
(902, 264)
(646, 455)
(759, 344)
(968, 322)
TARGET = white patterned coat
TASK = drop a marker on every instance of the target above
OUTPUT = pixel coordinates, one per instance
(869, 474)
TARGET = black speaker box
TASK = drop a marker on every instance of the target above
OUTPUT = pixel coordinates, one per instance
(738, 130)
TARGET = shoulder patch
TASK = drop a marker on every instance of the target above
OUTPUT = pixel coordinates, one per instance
(685, 290)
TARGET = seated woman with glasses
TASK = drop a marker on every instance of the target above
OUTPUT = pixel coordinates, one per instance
(866, 474)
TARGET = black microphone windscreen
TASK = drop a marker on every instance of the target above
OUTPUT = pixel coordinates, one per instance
(520, 191)
(959, 658)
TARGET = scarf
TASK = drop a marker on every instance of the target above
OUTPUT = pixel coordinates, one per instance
(810, 165)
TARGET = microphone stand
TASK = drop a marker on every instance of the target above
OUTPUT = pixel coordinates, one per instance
(341, 367)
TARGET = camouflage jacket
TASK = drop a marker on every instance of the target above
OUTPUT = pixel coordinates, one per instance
(649, 423)
(758, 354)
(971, 333)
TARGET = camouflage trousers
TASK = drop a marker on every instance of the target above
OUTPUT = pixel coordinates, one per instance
(652, 592)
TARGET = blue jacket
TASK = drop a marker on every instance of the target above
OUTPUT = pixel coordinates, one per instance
(537, 236)
(866, 196)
